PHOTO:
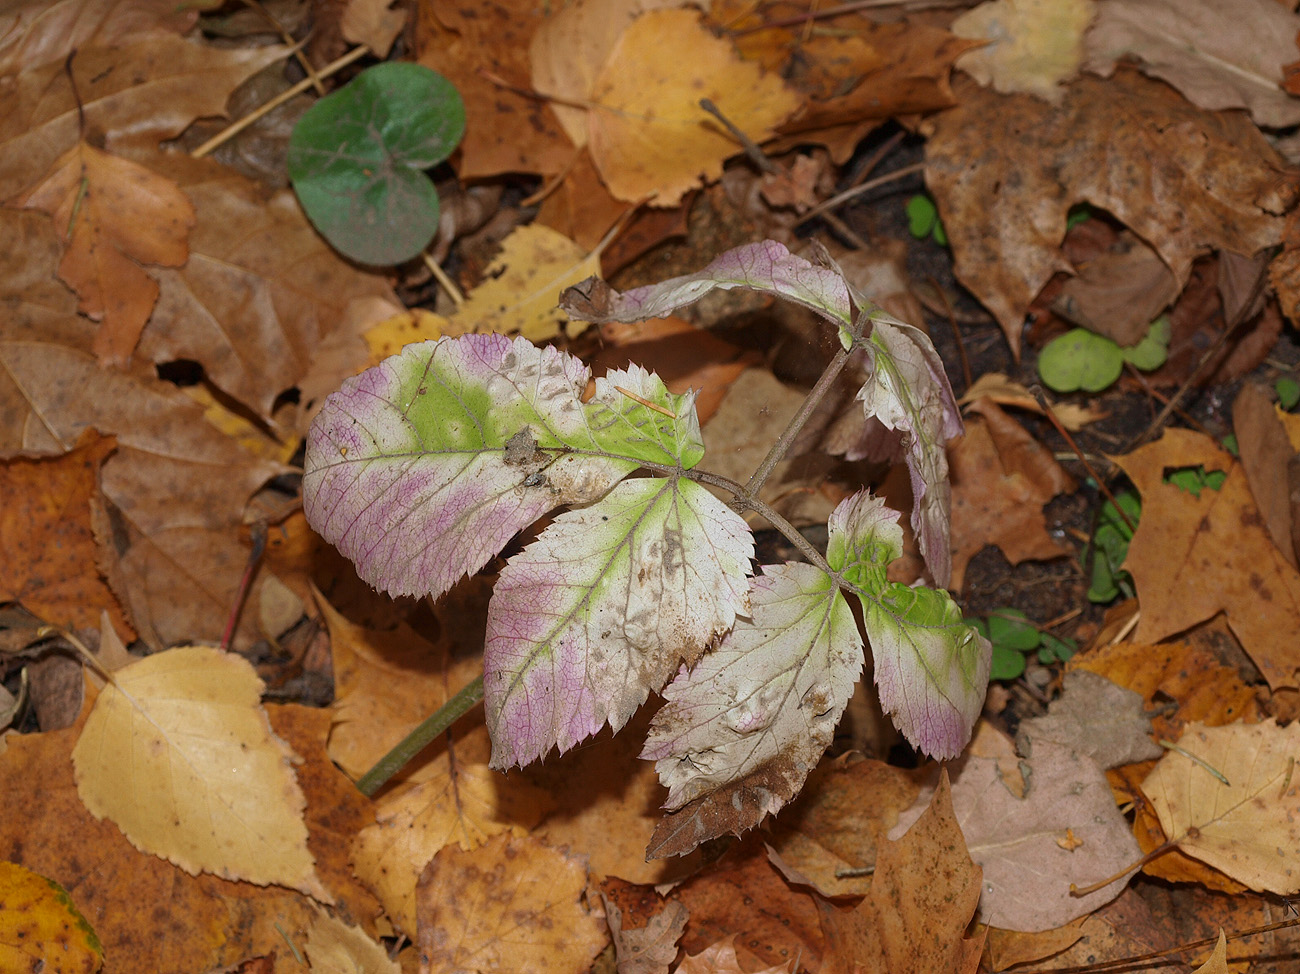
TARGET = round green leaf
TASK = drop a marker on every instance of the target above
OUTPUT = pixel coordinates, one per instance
(921, 216)
(1011, 628)
(357, 157)
(1288, 392)
(1007, 663)
(1150, 353)
(1080, 360)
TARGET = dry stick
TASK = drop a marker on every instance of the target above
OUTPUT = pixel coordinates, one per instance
(1103, 883)
(840, 198)
(752, 151)
(956, 333)
(233, 129)
(443, 280)
(798, 19)
(245, 582)
(285, 36)
(1169, 745)
(1155, 394)
(1120, 963)
(1065, 434)
(1238, 319)
(868, 167)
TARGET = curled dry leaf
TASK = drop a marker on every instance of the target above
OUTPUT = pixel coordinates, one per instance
(179, 754)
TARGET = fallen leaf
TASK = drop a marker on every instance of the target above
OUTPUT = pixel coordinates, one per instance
(1102, 719)
(47, 536)
(997, 388)
(1266, 455)
(136, 92)
(1097, 147)
(1217, 56)
(483, 51)
(1001, 479)
(923, 895)
(521, 287)
(721, 958)
(838, 822)
(511, 904)
(1119, 931)
(1218, 961)
(259, 295)
(390, 336)
(40, 927)
(649, 949)
(648, 134)
(115, 215)
(334, 947)
(1194, 556)
(745, 892)
(372, 23)
(1027, 875)
(1118, 293)
(37, 32)
(1008, 948)
(178, 753)
(1243, 827)
(1035, 45)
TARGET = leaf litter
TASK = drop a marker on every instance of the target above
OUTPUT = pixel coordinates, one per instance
(218, 284)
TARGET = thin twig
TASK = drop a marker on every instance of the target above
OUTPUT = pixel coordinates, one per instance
(443, 280)
(285, 36)
(234, 128)
(245, 582)
(841, 198)
(1171, 746)
(752, 151)
(956, 333)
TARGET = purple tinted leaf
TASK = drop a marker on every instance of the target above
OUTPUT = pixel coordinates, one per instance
(603, 607)
(765, 266)
(758, 711)
(422, 468)
(932, 668)
(908, 391)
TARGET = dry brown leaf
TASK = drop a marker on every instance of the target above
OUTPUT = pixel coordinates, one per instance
(259, 295)
(838, 822)
(179, 754)
(721, 958)
(1266, 455)
(1001, 479)
(999, 389)
(1217, 55)
(513, 904)
(36, 32)
(1034, 44)
(1103, 720)
(1006, 169)
(114, 216)
(520, 293)
(1027, 874)
(372, 23)
(1195, 556)
(1218, 961)
(135, 93)
(923, 895)
(1119, 292)
(1243, 828)
(647, 131)
(483, 51)
(649, 949)
(50, 555)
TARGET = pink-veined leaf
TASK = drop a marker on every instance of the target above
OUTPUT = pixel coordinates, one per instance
(761, 708)
(932, 668)
(764, 266)
(422, 468)
(603, 607)
(906, 390)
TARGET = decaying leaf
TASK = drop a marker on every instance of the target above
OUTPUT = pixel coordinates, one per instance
(114, 216)
(1245, 827)
(1218, 55)
(179, 754)
(1194, 556)
(720, 958)
(334, 947)
(649, 949)
(513, 904)
(40, 927)
(1005, 171)
(1104, 720)
(923, 894)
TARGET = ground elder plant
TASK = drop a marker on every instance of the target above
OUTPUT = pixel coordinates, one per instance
(423, 468)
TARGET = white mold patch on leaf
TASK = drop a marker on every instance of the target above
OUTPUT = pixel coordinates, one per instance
(767, 698)
(604, 607)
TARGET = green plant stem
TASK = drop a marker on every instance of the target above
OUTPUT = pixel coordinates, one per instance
(416, 741)
(749, 494)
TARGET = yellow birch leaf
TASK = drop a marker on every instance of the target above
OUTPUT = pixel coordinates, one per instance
(455, 799)
(647, 132)
(391, 335)
(40, 929)
(179, 754)
(1249, 828)
(511, 905)
(334, 947)
(1035, 45)
(520, 293)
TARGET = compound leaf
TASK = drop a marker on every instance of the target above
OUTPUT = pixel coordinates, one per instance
(421, 469)
(764, 704)
(932, 667)
(602, 608)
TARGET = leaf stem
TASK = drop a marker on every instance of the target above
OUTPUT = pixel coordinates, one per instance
(416, 741)
(797, 423)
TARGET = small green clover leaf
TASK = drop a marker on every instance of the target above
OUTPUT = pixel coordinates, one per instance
(923, 219)
(1081, 359)
(1288, 392)
(1109, 548)
(357, 160)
